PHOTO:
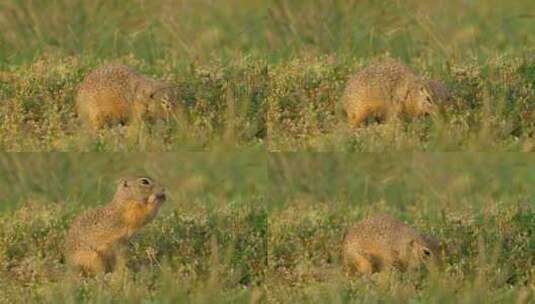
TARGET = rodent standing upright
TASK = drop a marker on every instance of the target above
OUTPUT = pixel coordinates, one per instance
(96, 239)
(117, 94)
(381, 242)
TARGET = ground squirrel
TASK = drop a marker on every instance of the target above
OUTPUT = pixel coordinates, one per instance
(116, 93)
(96, 239)
(382, 242)
(385, 89)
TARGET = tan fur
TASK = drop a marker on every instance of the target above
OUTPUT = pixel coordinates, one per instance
(386, 89)
(383, 242)
(96, 239)
(116, 94)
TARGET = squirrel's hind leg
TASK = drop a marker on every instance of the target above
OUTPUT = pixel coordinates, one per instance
(89, 262)
(358, 263)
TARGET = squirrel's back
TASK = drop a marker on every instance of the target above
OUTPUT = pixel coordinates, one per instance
(383, 230)
(89, 229)
(382, 74)
(109, 76)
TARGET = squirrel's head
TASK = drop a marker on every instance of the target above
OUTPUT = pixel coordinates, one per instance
(441, 93)
(141, 190)
(158, 99)
(165, 99)
(425, 250)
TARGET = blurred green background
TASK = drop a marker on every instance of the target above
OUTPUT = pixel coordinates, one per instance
(401, 178)
(77, 179)
(187, 30)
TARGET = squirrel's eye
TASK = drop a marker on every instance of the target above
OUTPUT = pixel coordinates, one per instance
(427, 252)
(145, 181)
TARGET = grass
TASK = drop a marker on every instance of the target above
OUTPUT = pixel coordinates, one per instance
(207, 243)
(491, 109)
(480, 205)
(267, 75)
(249, 227)
(226, 109)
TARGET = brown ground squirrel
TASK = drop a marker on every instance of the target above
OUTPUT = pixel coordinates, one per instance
(96, 239)
(382, 242)
(115, 93)
(385, 89)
